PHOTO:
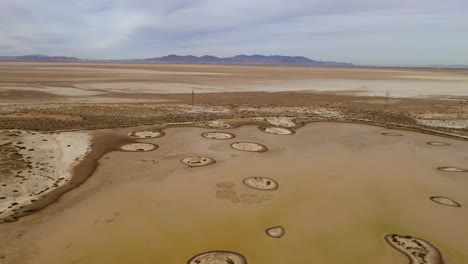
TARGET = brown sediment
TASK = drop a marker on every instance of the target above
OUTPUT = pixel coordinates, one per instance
(452, 169)
(227, 185)
(249, 146)
(197, 161)
(218, 135)
(218, 257)
(392, 134)
(445, 201)
(422, 252)
(226, 191)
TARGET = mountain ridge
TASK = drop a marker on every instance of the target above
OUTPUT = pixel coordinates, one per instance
(247, 60)
(241, 59)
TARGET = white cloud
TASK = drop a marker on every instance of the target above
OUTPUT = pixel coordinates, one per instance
(399, 32)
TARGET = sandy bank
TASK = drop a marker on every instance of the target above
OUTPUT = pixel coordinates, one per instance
(43, 163)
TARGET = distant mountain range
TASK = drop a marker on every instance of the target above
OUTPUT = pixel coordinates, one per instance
(247, 60)
(450, 66)
(39, 58)
(207, 59)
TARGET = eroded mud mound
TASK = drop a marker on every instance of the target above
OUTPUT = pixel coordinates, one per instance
(275, 232)
(146, 134)
(438, 144)
(197, 161)
(445, 201)
(277, 130)
(281, 121)
(261, 183)
(139, 147)
(218, 135)
(417, 250)
(249, 146)
(218, 257)
(452, 169)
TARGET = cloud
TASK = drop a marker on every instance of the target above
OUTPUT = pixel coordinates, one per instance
(399, 32)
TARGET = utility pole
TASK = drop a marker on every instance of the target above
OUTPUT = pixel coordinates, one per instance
(387, 97)
(193, 95)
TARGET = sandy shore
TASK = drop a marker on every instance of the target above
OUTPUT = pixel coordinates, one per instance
(147, 206)
(37, 164)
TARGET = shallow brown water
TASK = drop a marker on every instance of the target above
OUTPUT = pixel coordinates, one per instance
(342, 188)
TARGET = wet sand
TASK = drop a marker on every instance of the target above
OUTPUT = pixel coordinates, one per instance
(343, 188)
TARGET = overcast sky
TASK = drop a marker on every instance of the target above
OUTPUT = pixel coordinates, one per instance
(390, 32)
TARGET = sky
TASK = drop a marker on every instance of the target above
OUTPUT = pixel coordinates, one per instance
(363, 32)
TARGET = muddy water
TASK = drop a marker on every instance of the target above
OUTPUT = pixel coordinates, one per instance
(342, 188)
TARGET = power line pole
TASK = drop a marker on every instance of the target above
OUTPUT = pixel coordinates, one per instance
(193, 95)
(387, 97)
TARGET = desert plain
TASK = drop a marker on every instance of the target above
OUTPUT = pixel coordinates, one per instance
(145, 163)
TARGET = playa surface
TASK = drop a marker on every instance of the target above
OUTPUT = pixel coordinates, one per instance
(118, 83)
(342, 189)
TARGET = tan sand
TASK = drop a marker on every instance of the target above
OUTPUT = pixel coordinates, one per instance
(451, 123)
(281, 121)
(39, 163)
(130, 211)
